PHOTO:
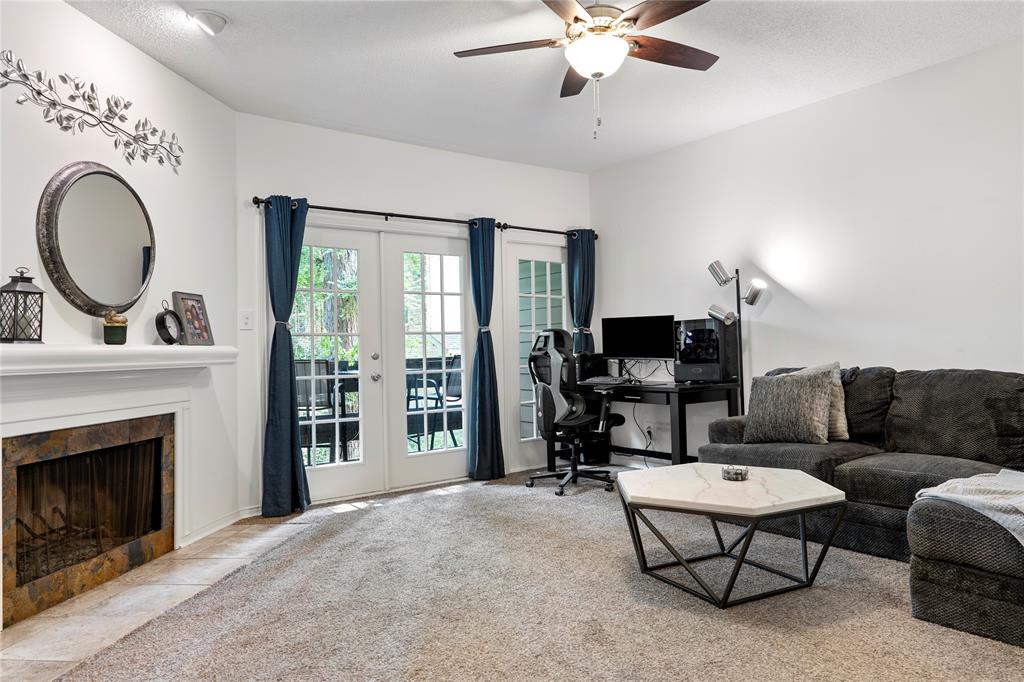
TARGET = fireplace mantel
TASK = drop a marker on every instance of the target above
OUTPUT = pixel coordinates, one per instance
(38, 359)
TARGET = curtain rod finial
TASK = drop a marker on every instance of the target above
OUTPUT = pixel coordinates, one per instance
(256, 201)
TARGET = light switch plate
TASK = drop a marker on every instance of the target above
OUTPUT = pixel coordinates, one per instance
(245, 320)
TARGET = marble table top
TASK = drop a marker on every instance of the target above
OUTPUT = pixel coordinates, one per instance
(700, 488)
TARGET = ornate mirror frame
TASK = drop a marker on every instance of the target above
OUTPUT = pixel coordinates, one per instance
(48, 238)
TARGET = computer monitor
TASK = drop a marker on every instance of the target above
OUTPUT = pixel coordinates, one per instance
(642, 338)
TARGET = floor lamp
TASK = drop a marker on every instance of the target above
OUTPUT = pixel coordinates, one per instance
(754, 290)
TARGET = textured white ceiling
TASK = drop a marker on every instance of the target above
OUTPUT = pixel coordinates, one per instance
(386, 68)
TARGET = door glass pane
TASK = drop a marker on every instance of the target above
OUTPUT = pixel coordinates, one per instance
(453, 348)
(414, 351)
(325, 340)
(540, 277)
(452, 274)
(555, 279)
(345, 268)
(413, 271)
(348, 354)
(323, 267)
(434, 376)
(541, 306)
(432, 312)
(526, 421)
(556, 313)
(525, 277)
(413, 312)
(432, 272)
(452, 313)
(299, 321)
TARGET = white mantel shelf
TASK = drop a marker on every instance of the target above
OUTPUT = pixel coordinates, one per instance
(37, 359)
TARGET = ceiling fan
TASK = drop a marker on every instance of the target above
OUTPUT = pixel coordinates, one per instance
(600, 37)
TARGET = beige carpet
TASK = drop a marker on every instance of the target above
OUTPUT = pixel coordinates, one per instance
(497, 581)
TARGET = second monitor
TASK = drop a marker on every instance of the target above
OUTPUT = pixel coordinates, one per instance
(651, 337)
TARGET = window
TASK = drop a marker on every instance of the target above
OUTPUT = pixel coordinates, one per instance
(325, 340)
(541, 306)
(433, 305)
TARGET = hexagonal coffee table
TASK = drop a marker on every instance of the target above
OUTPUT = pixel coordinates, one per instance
(700, 489)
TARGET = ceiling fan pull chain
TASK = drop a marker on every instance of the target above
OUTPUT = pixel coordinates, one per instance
(597, 105)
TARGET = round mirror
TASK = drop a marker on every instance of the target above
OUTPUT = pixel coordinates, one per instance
(95, 238)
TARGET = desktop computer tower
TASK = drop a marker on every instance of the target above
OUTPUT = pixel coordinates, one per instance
(707, 351)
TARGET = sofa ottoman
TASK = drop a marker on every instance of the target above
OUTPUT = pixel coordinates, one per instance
(966, 571)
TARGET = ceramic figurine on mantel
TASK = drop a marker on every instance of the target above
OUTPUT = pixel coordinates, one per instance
(21, 310)
(115, 328)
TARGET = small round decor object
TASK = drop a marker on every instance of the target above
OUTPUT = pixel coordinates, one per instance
(168, 325)
(731, 472)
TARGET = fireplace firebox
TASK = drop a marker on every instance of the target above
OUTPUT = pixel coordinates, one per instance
(82, 506)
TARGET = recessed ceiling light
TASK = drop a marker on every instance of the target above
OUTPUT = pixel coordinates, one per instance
(211, 22)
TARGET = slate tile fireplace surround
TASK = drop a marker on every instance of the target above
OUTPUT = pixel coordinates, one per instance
(82, 506)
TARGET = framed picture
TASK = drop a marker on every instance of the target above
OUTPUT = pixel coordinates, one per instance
(192, 310)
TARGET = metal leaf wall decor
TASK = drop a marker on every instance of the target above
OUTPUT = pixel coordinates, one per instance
(81, 109)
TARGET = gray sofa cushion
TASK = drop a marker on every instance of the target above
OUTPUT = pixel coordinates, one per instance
(893, 478)
(946, 531)
(819, 461)
(727, 430)
(973, 414)
(792, 408)
(867, 403)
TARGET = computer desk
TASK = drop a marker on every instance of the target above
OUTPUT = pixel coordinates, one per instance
(676, 395)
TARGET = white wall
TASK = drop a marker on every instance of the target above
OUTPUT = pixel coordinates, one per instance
(193, 213)
(341, 169)
(887, 222)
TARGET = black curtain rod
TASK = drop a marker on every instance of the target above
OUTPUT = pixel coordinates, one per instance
(257, 201)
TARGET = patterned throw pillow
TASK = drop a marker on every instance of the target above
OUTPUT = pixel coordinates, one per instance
(838, 426)
(791, 408)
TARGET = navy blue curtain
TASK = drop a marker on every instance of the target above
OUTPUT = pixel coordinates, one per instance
(285, 489)
(486, 459)
(582, 264)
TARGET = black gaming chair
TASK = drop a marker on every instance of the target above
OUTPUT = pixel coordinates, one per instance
(562, 414)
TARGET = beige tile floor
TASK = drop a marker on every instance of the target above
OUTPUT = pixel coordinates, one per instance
(45, 646)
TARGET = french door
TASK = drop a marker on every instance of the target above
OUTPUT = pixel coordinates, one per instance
(336, 339)
(535, 300)
(428, 306)
(379, 329)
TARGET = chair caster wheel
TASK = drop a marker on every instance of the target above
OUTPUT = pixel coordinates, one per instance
(560, 492)
(609, 487)
(529, 484)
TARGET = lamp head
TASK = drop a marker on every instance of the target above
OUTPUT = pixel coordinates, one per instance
(721, 275)
(722, 315)
(754, 291)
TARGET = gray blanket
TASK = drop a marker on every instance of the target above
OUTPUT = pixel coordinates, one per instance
(1000, 497)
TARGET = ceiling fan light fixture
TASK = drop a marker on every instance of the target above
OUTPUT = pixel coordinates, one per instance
(596, 55)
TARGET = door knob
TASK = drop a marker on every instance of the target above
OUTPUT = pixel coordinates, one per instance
(375, 376)
(375, 356)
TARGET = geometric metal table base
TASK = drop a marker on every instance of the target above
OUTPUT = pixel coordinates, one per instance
(634, 512)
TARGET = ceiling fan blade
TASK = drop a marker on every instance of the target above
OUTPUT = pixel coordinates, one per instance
(573, 83)
(569, 10)
(653, 12)
(511, 47)
(673, 54)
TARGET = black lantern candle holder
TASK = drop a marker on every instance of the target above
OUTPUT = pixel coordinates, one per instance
(21, 310)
